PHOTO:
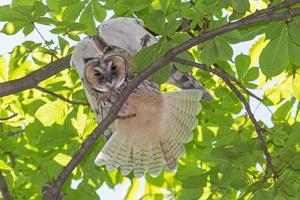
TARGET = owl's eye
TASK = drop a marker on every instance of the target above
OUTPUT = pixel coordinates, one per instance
(97, 73)
(113, 67)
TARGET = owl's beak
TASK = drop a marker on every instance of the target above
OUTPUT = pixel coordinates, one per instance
(108, 78)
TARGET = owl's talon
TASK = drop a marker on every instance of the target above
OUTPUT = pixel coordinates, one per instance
(126, 116)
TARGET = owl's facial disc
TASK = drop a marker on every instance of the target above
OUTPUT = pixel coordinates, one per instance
(106, 74)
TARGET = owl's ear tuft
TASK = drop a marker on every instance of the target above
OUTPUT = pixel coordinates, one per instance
(85, 60)
(99, 42)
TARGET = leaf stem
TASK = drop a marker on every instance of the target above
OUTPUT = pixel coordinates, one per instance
(60, 97)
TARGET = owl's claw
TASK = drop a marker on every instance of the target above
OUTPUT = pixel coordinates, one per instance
(126, 116)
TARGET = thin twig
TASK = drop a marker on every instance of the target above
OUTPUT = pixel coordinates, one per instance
(9, 117)
(4, 188)
(53, 191)
(227, 80)
(60, 97)
(238, 83)
(49, 48)
(16, 133)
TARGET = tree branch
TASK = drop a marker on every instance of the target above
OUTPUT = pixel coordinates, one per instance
(237, 82)
(34, 78)
(9, 117)
(4, 188)
(272, 9)
(227, 80)
(60, 97)
(31, 80)
(53, 190)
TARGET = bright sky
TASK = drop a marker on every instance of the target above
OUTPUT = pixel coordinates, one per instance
(7, 43)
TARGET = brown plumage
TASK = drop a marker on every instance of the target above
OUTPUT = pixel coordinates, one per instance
(151, 126)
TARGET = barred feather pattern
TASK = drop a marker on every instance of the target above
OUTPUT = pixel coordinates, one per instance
(151, 143)
(153, 139)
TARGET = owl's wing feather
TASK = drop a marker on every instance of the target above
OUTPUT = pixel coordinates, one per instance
(143, 149)
(156, 158)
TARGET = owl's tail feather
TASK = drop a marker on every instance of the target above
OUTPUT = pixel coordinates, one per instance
(140, 153)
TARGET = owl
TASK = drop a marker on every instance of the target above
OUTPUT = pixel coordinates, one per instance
(151, 127)
(130, 34)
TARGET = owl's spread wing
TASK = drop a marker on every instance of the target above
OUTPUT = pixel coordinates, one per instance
(129, 34)
(154, 139)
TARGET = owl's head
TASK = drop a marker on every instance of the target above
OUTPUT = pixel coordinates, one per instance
(108, 70)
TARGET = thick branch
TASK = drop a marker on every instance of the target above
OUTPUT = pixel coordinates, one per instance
(60, 97)
(226, 79)
(32, 79)
(272, 9)
(4, 188)
(53, 68)
(53, 191)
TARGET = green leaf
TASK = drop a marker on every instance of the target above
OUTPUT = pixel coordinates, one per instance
(279, 138)
(63, 45)
(284, 111)
(162, 75)
(51, 112)
(294, 30)
(45, 21)
(28, 29)
(252, 74)
(224, 49)
(274, 57)
(295, 163)
(240, 6)
(53, 4)
(156, 22)
(88, 19)
(99, 11)
(72, 12)
(139, 61)
(4, 166)
(195, 181)
(9, 14)
(172, 25)
(133, 189)
(274, 29)
(11, 28)
(152, 53)
(186, 56)
(278, 135)
(296, 84)
(3, 69)
(294, 50)
(22, 2)
(242, 63)
(233, 37)
(209, 53)
(62, 159)
(216, 49)
(40, 9)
